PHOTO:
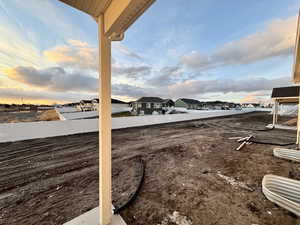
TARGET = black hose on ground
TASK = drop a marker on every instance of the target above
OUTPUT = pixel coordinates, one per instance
(266, 129)
(134, 195)
(271, 143)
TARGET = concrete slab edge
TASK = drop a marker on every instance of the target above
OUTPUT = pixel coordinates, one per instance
(92, 218)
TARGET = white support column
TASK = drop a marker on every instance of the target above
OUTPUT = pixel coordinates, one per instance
(104, 125)
(275, 113)
(277, 108)
(298, 121)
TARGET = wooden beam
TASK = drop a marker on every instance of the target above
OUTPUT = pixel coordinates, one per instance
(104, 125)
(287, 99)
(121, 14)
(296, 68)
(298, 122)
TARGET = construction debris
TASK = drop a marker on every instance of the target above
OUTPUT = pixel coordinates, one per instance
(234, 182)
(234, 138)
(177, 219)
(246, 140)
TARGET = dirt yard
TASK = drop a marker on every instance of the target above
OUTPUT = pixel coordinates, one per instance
(28, 116)
(193, 175)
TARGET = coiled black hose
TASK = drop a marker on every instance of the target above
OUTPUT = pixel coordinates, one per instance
(134, 195)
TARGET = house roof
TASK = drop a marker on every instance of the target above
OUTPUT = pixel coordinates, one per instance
(190, 101)
(95, 100)
(285, 92)
(168, 100)
(116, 101)
(86, 101)
(150, 99)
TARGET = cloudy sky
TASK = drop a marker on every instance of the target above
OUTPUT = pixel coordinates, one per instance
(210, 49)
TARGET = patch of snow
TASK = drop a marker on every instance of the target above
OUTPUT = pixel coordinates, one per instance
(177, 219)
(60, 116)
(234, 182)
(288, 110)
(42, 129)
(116, 109)
(92, 218)
(71, 113)
(194, 111)
(79, 115)
(66, 109)
(5, 195)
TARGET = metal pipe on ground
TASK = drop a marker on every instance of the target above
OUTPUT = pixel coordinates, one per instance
(282, 191)
(289, 154)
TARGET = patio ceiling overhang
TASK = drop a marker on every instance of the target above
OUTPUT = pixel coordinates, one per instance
(118, 14)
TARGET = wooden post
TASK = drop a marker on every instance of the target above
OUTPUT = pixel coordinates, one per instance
(105, 202)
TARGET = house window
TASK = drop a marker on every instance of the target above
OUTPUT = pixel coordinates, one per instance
(148, 105)
(139, 105)
(157, 105)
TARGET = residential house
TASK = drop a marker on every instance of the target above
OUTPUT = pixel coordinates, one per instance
(95, 103)
(116, 105)
(86, 105)
(168, 103)
(188, 103)
(217, 105)
(251, 105)
(148, 106)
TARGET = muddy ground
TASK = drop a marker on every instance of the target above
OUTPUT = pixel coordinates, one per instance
(28, 116)
(189, 168)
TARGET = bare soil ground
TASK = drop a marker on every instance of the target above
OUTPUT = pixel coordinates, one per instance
(28, 116)
(193, 175)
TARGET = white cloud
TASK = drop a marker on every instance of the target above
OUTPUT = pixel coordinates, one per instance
(277, 39)
(198, 87)
(131, 71)
(126, 51)
(16, 94)
(53, 79)
(74, 54)
(195, 60)
(165, 76)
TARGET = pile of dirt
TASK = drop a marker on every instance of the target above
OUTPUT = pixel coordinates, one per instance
(291, 122)
(29, 116)
(17, 117)
(48, 115)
